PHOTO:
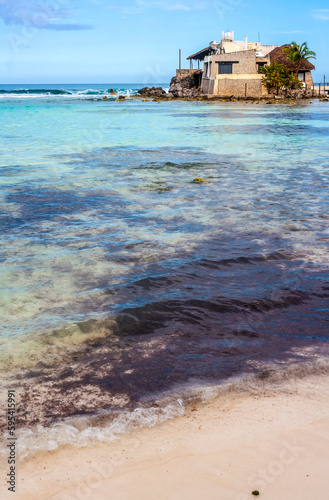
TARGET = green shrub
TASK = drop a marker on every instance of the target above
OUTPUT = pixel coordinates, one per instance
(278, 76)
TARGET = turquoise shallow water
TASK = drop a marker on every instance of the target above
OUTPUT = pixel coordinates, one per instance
(122, 276)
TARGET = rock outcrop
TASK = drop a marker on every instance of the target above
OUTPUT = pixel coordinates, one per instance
(180, 86)
(152, 92)
(187, 86)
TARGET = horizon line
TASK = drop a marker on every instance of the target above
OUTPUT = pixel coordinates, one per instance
(87, 83)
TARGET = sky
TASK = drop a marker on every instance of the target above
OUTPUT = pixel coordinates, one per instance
(137, 41)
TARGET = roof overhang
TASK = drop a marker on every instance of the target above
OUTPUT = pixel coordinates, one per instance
(199, 56)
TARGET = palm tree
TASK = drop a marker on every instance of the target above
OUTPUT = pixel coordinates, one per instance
(298, 53)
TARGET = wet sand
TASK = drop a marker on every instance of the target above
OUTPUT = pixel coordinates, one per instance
(274, 441)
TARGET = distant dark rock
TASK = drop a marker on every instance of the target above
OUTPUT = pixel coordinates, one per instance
(152, 92)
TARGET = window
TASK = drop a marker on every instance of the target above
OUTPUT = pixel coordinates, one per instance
(225, 68)
(261, 65)
(301, 76)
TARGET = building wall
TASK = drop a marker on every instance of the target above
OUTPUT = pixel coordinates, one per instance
(266, 49)
(244, 80)
(232, 46)
(239, 85)
(308, 79)
(207, 85)
(236, 46)
(246, 62)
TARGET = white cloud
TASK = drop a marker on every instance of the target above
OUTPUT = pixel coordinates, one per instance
(40, 15)
(321, 14)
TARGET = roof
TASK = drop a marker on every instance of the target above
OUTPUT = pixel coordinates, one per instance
(278, 56)
(201, 54)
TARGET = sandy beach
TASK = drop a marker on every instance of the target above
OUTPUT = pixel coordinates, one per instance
(274, 441)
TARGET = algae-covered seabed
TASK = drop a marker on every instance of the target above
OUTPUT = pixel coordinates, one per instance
(124, 284)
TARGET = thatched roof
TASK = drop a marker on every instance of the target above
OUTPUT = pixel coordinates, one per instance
(278, 56)
(199, 56)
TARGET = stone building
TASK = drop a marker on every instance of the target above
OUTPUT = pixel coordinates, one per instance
(233, 67)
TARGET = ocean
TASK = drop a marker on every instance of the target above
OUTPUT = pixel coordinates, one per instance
(127, 289)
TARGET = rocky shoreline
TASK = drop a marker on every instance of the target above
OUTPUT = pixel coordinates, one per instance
(153, 94)
(188, 89)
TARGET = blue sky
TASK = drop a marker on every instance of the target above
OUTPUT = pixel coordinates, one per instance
(137, 41)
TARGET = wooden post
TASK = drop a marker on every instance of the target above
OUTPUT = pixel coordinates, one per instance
(245, 89)
(191, 63)
(319, 89)
(180, 58)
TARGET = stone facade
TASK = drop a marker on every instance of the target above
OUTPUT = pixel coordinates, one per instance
(308, 79)
(243, 80)
(244, 62)
(239, 87)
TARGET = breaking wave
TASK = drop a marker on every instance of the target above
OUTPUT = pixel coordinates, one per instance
(109, 426)
(79, 433)
(74, 93)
